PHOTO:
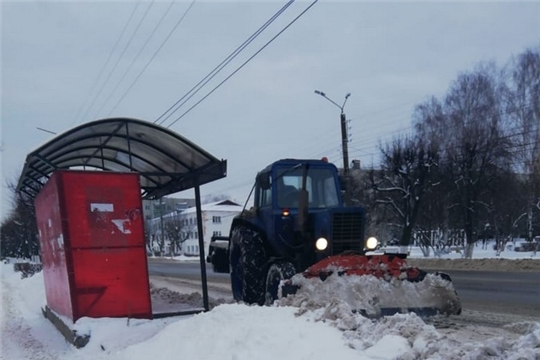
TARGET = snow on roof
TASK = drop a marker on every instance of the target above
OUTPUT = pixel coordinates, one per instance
(223, 205)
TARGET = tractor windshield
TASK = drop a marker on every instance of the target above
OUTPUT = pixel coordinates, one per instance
(320, 184)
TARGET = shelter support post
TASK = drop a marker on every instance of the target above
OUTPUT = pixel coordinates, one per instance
(201, 246)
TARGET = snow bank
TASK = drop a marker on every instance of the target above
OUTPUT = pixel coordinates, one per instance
(371, 295)
(237, 331)
(245, 332)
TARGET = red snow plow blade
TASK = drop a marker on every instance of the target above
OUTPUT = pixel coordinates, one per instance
(375, 286)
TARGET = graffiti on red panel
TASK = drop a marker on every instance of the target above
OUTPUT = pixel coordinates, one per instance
(110, 225)
(105, 221)
(133, 214)
(103, 218)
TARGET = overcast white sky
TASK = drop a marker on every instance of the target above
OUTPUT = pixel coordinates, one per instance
(389, 55)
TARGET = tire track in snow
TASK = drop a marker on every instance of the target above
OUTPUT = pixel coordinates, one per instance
(17, 340)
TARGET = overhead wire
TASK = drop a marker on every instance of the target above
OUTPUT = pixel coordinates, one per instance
(409, 127)
(96, 81)
(332, 130)
(244, 184)
(153, 56)
(120, 57)
(500, 113)
(246, 62)
(134, 60)
(373, 148)
(219, 67)
(381, 125)
(512, 149)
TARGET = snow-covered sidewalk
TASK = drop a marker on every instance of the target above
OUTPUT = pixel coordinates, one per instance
(236, 331)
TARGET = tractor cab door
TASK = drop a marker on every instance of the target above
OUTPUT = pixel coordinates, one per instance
(263, 203)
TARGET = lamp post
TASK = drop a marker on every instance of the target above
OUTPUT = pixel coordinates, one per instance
(344, 140)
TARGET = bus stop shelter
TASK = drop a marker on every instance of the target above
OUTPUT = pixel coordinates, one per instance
(165, 161)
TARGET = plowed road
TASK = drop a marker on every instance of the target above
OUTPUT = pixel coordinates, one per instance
(515, 293)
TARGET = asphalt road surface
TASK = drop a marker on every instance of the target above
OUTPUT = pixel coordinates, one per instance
(504, 292)
(188, 270)
(512, 293)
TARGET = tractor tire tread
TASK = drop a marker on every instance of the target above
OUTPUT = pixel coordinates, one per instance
(254, 261)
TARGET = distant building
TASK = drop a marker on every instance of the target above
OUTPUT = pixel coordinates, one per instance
(216, 220)
(155, 208)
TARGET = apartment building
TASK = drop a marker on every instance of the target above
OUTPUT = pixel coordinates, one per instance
(177, 230)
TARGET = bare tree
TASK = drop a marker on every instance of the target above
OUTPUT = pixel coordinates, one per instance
(433, 231)
(407, 171)
(172, 235)
(468, 125)
(177, 230)
(149, 236)
(523, 108)
(434, 221)
(475, 143)
(19, 235)
(176, 234)
(160, 240)
(362, 194)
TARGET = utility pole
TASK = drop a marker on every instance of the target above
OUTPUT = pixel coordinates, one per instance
(344, 142)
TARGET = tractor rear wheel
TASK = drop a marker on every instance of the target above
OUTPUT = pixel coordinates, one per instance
(277, 272)
(248, 265)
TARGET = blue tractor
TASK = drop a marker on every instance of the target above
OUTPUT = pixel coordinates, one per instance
(298, 219)
(298, 224)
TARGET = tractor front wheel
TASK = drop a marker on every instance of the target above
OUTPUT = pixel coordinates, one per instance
(277, 272)
(248, 265)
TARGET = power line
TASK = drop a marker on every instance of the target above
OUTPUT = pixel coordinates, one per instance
(511, 150)
(247, 61)
(506, 101)
(505, 137)
(501, 113)
(76, 119)
(158, 24)
(358, 151)
(120, 57)
(224, 63)
(154, 55)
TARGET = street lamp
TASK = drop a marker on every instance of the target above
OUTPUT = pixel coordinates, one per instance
(344, 137)
(344, 141)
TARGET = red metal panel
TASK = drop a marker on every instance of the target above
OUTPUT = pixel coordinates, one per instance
(111, 283)
(52, 245)
(105, 255)
(107, 209)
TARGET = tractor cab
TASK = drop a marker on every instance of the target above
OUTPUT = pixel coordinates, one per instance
(281, 184)
(298, 205)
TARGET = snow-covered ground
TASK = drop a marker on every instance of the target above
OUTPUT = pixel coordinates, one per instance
(237, 331)
(484, 258)
(482, 252)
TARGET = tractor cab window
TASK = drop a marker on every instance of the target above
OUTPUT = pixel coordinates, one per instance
(320, 184)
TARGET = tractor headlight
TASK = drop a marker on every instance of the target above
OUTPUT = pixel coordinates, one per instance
(321, 244)
(371, 243)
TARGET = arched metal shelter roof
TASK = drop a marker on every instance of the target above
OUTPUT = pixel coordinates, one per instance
(167, 162)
